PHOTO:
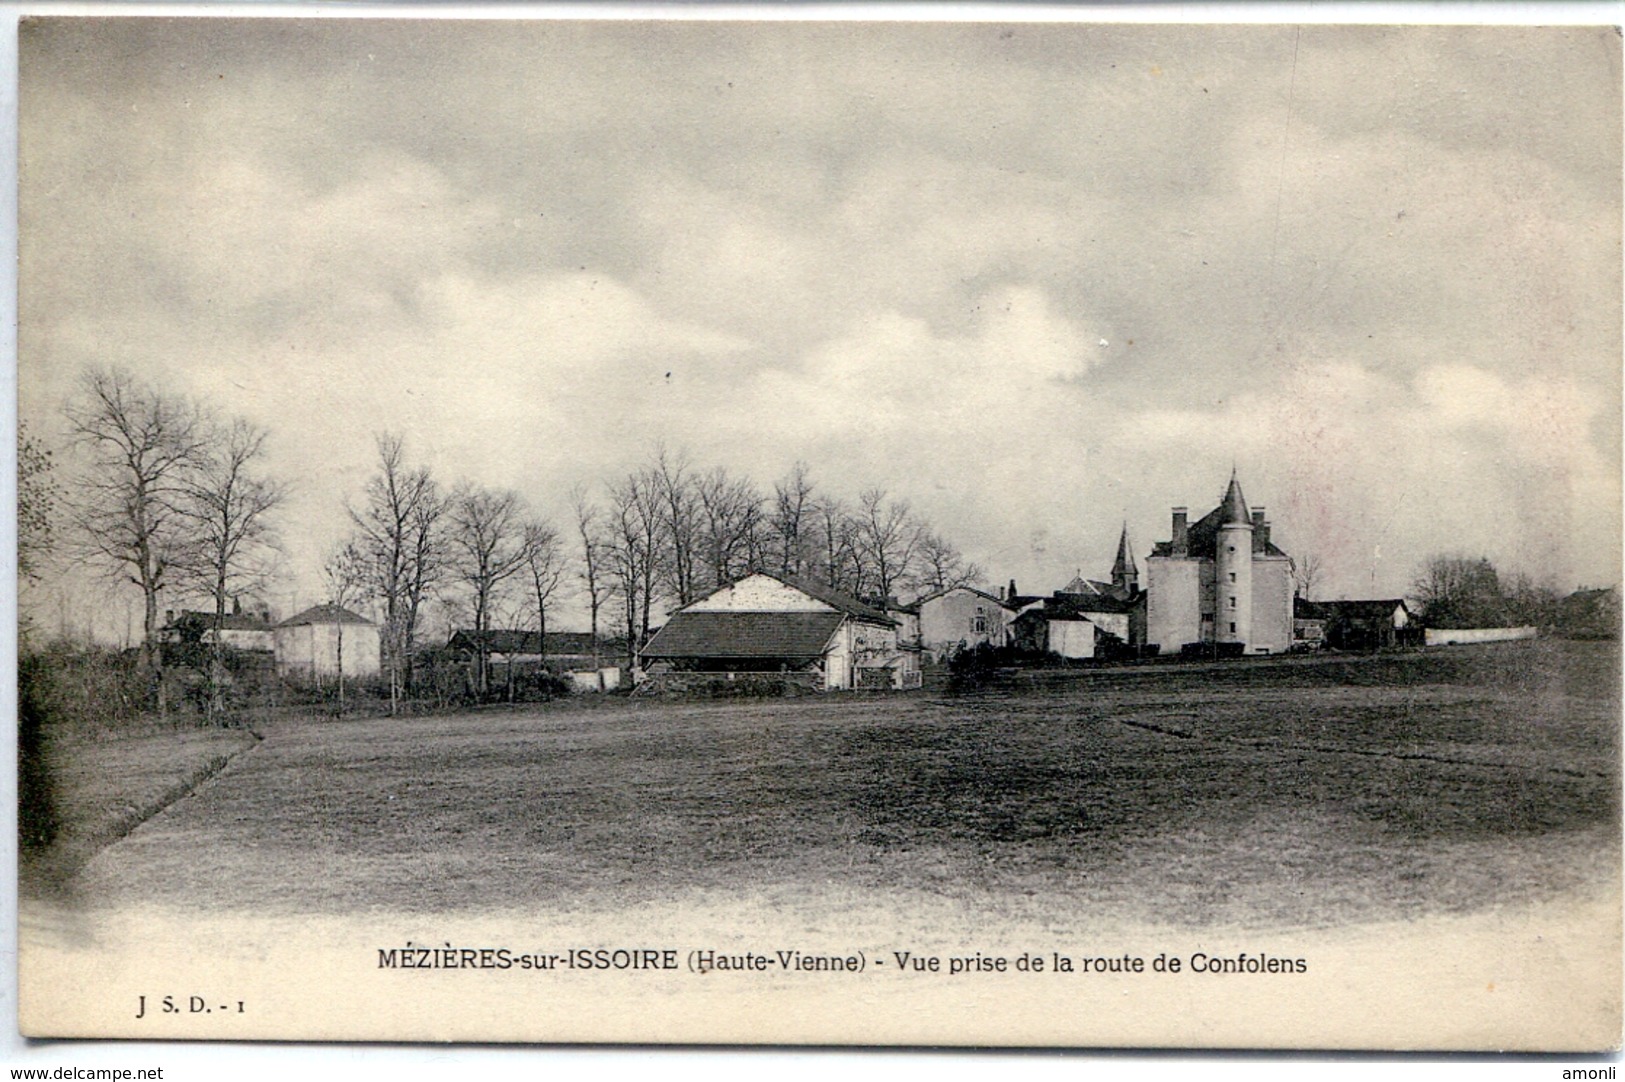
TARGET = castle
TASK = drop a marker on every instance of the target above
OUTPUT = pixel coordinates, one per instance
(1219, 580)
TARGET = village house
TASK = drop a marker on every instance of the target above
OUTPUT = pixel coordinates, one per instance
(766, 624)
(1074, 626)
(325, 639)
(1087, 618)
(1589, 614)
(1220, 583)
(961, 618)
(239, 630)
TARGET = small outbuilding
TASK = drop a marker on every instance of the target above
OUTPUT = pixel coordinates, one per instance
(1076, 626)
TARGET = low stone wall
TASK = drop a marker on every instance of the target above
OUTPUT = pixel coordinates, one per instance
(1454, 636)
(722, 685)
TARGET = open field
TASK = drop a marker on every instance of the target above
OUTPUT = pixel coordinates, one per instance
(1265, 795)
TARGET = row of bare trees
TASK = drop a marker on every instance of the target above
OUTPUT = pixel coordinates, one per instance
(414, 539)
(669, 532)
(171, 497)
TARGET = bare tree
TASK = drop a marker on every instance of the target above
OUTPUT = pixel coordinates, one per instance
(347, 574)
(889, 539)
(399, 538)
(730, 513)
(139, 444)
(228, 506)
(1306, 574)
(791, 526)
(1459, 591)
(488, 546)
(634, 534)
(594, 556)
(942, 566)
(545, 567)
(841, 566)
(669, 487)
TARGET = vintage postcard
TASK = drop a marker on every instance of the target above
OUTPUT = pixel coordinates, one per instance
(819, 531)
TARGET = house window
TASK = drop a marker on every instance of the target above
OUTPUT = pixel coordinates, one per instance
(1232, 548)
(979, 624)
(1232, 628)
(1232, 576)
(1232, 602)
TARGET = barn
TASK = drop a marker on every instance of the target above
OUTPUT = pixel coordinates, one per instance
(766, 624)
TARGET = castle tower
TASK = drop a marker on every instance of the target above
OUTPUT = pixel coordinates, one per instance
(1125, 573)
(1233, 569)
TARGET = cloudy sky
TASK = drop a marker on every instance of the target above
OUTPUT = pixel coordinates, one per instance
(1038, 278)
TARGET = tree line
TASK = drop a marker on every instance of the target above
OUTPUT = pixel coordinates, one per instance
(1456, 591)
(172, 498)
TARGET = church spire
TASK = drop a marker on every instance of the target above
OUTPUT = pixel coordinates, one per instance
(1125, 574)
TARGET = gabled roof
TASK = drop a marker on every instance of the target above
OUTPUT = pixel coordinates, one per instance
(1082, 587)
(497, 641)
(946, 590)
(745, 634)
(830, 596)
(1381, 609)
(506, 641)
(192, 619)
(325, 614)
(1080, 607)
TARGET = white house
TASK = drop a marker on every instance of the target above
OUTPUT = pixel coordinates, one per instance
(325, 638)
(960, 618)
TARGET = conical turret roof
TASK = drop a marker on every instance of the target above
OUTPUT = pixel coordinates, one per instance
(1233, 512)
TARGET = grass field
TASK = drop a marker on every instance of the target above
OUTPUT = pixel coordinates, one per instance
(1286, 794)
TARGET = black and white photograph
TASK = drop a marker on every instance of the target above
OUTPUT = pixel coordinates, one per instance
(819, 530)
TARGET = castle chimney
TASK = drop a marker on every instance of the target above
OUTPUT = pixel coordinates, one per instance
(1261, 531)
(169, 616)
(1012, 595)
(1182, 539)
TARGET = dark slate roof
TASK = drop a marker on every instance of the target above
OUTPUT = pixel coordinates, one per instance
(1124, 566)
(834, 598)
(1234, 509)
(1203, 535)
(1079, 607)
(506, 641)
(324, 614)
(192, 619)
(745, 634)
(1382, 609)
